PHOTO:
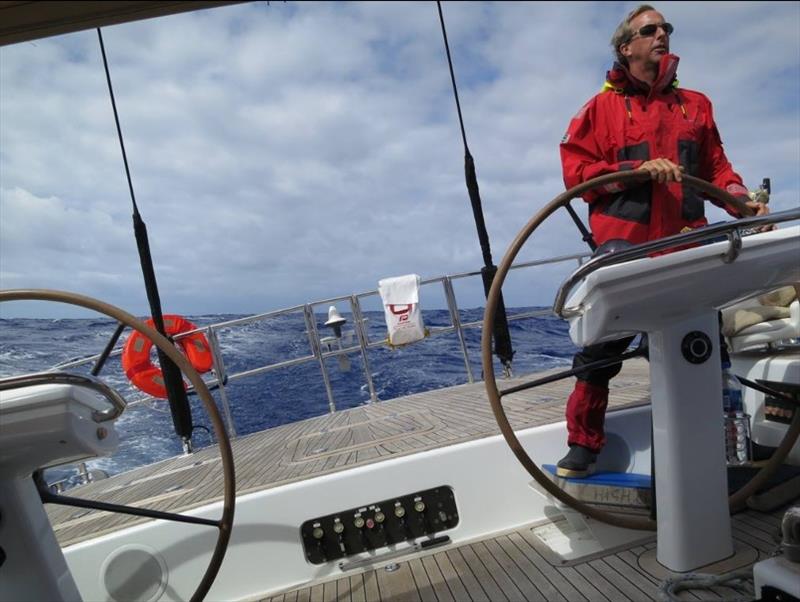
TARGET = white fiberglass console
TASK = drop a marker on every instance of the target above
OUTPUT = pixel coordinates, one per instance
(675, 298)
(645, 294)
(68, 420)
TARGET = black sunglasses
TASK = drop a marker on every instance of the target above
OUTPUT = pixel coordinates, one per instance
(650, 29)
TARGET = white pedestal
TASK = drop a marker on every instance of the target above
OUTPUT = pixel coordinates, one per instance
(691, 481)
(42, 426)
(35, 568)
(668, 297)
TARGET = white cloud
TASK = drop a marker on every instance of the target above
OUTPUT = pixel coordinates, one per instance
(296, 151)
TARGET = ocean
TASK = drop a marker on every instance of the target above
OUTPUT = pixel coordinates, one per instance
(280, 396)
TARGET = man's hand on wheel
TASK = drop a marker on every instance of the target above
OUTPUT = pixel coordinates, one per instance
(760, 209)
(662, 170)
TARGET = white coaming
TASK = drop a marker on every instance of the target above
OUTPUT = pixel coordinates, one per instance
(492, 492)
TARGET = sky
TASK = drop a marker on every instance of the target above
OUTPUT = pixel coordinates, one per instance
(284, 152)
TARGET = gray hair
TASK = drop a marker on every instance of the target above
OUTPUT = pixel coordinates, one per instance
(624, 33)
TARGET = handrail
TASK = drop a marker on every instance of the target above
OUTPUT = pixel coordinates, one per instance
(71, 363)
(361, 344)
(730, 229)
(116, 400)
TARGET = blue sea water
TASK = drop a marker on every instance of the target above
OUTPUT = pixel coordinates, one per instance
(277, 397)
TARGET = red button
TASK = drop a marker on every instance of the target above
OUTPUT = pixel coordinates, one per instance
(370, 523)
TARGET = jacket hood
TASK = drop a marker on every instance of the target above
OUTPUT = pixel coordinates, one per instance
(619, 78)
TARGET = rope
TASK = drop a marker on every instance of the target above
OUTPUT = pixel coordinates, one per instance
(740, 580)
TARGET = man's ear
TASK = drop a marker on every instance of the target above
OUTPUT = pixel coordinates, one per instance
(625, 50)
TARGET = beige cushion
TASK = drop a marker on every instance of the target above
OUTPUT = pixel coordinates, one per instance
(781, 297)
(739, 319)
(770, 306)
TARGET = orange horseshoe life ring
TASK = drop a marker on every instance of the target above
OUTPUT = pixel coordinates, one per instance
(140, 369)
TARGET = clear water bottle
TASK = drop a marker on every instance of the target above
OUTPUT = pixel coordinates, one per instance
(738, 445)
(731, 390)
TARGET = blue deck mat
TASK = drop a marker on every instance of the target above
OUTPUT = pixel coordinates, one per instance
(608, 479)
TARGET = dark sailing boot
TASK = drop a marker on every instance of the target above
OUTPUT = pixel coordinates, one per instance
(578, 463)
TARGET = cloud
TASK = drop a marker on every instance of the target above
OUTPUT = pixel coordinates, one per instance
(289, 152)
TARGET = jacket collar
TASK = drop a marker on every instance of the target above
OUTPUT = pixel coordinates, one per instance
(620, 80)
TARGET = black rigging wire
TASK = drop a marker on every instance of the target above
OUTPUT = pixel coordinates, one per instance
(178, 401)
(107, 351)
(116, 121)
(585, 234)
(502, 338)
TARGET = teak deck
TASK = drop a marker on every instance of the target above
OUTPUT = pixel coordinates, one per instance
(512, 567)
(507, 566)
(326, 444)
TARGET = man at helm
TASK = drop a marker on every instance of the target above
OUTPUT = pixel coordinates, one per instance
(641, 120)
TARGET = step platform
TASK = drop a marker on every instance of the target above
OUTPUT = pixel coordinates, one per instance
(634, 490)
(607, 488)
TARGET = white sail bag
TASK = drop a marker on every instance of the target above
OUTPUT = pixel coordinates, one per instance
(400, 297)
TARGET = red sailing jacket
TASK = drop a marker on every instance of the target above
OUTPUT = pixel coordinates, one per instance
(629, 123)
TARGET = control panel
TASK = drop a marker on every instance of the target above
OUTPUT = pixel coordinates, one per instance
(379, 524)
(780, 410)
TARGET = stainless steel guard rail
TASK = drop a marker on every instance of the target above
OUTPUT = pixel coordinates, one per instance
(729, 229)
(317, 351)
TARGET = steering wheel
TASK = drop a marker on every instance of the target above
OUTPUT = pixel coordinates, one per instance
(225, 523)
(738, 499)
